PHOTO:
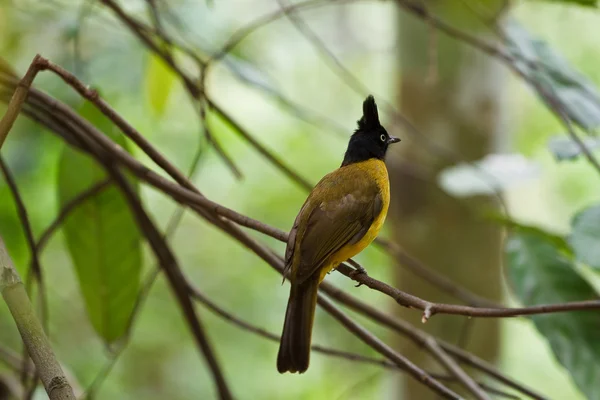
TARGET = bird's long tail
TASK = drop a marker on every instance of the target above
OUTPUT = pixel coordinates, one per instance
(294, 348)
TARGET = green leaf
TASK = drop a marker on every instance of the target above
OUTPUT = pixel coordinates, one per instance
(577, 96)
(564, 148)
(102, 238)
(585, 239)
(159, 81)
(541, 274)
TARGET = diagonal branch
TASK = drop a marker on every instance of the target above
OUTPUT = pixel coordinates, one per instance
(420, 338)
(197, 295)
(16, 101)
(384, 349)
(452, 367)
(35, 340)
(212, 306)
(26, 224)
(66, 211)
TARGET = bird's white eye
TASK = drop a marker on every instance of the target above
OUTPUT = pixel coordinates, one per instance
(382, 137)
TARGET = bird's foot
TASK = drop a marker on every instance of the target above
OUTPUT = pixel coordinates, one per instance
(358, 270)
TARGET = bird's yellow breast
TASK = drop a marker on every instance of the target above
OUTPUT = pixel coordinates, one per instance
(377, 170)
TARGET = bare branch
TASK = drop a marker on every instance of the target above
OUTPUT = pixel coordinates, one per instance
(24, 217)
(456, 370)
(32, 333)
(420, 338)
(212, 306)
(14, 106)
(432, 276)
(384, 349)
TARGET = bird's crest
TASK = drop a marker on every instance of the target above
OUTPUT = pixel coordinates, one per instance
(370, 118)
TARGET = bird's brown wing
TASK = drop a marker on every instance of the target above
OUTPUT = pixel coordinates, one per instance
(341, 211)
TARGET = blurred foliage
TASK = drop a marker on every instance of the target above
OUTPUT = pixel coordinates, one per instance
(564, 148)
(576, 96)
(159, 80)
(542, 275)
(159, 361)
(585, 238)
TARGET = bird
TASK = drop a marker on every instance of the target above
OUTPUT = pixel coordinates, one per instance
(341, 216)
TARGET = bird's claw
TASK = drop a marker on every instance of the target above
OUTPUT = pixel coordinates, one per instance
(357, 271)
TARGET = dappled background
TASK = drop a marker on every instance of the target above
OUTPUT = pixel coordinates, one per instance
(291, 98)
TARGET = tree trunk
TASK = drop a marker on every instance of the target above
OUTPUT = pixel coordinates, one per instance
(453, 95)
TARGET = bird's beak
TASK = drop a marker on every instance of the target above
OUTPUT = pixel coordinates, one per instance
(393, 140)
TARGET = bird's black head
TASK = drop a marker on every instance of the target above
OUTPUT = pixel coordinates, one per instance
(370, 140)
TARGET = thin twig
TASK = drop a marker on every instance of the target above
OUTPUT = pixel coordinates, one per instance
(215, 143)
(431, 308)
(23, 215)
(266, 153)
(384, 349)
(263, 21)
(219, 311)
(456, 370)
(19, 96)
(67, 209)
(432, 276)
(420, 338)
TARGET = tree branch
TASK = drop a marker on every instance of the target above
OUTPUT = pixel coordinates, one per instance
(420, 338)
(384, 349)
(197, 295)
(19, 96)
(452, 367)
(35, 340)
